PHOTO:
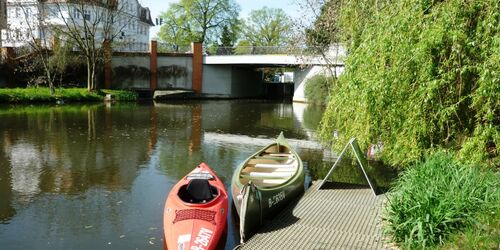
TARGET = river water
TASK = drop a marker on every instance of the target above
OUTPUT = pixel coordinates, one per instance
(96, 176)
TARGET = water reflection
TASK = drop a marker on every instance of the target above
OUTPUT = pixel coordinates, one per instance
(97, 176)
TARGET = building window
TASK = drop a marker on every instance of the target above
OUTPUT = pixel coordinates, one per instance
(76, 13)
(86, 15)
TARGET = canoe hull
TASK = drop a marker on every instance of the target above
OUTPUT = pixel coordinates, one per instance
(195, 225)
(270, 199)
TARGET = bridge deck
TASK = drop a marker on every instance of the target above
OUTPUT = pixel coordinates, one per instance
(340, 216)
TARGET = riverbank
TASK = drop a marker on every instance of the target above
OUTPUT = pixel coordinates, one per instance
(42, 95)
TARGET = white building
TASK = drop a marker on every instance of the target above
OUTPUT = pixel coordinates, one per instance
(40, 20)
(3, 17)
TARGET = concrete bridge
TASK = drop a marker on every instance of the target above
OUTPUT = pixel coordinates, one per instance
(219, 76)
(237, 74)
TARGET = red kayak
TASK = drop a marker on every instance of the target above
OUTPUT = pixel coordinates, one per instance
(195, 212)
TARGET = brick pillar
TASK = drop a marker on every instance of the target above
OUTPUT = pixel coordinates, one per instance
(153, 67)
(197, 67)
(108, 72)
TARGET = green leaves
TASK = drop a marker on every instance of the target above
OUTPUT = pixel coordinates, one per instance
(197, 20)
(437, 197)
(267, 27)
(420, 75)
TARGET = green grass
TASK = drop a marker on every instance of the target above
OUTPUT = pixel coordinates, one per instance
(42, 95)
(440, 201)
(122, 95)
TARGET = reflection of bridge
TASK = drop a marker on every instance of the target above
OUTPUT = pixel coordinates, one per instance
(236, 75)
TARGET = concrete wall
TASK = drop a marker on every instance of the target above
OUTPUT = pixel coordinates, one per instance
(229, 81)
(175, 72)
(130, 72)
(302, 75)
(217, 80)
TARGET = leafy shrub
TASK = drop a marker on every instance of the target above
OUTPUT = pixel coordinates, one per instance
(420, 75)
(122, 95)
(437, 198)
(317, 89)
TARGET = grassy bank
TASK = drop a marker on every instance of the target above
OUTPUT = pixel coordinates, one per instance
(42, 95)
(441, 203)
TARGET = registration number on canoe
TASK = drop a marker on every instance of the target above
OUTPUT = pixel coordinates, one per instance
(276, 198)
(202, 239)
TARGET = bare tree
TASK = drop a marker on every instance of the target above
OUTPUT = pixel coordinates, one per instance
(30, 30)
(90, 24)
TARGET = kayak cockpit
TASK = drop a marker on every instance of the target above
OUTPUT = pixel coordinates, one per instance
(197, 191)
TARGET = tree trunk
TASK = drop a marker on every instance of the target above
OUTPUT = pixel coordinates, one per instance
(89, 76)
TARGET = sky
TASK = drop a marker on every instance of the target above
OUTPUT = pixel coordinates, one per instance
(159, 6)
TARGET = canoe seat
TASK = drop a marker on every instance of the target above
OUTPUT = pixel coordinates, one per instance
(272, 157)
(262, 175)
(269, 165)
(268, 182)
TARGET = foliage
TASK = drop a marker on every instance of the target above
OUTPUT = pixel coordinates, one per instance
(420, 75)
(197, 20)
(317, 89)
(29, 95)
(483, 234)
(326, 29)
(243, 47)
(122, 95)
(228, 37)
(438, 197)
(267, 27)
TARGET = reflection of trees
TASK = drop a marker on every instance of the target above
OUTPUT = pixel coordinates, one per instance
(253, 118)
(312, 116)
(6, 209)
(180, 143)
(74, 148)
(348, 170)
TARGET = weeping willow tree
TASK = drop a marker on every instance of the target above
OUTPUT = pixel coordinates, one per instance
(420, 75)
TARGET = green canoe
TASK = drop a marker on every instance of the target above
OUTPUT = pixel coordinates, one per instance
(265, 183)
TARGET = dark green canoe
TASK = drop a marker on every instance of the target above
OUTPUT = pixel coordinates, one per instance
(265, 183)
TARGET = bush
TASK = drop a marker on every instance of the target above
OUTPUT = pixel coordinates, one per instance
(419, 75)
(123, 95)
(317, 89)
(437, 198)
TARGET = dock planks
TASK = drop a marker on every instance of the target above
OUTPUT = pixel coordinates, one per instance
(339, 216)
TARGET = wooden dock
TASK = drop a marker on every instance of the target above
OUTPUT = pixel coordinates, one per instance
(339, 216)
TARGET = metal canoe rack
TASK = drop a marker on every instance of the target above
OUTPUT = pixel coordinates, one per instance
(362, 162)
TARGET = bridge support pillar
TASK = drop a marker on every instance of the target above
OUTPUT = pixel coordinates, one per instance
(197, 76)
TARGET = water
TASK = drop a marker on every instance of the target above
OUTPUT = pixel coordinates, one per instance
(96, 176)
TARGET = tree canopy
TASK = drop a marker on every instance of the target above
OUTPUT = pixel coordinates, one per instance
(198, 20)
(267, 27)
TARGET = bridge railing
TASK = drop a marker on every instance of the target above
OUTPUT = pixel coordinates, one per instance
(272, 50)
(173, 48)
(248, 50)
